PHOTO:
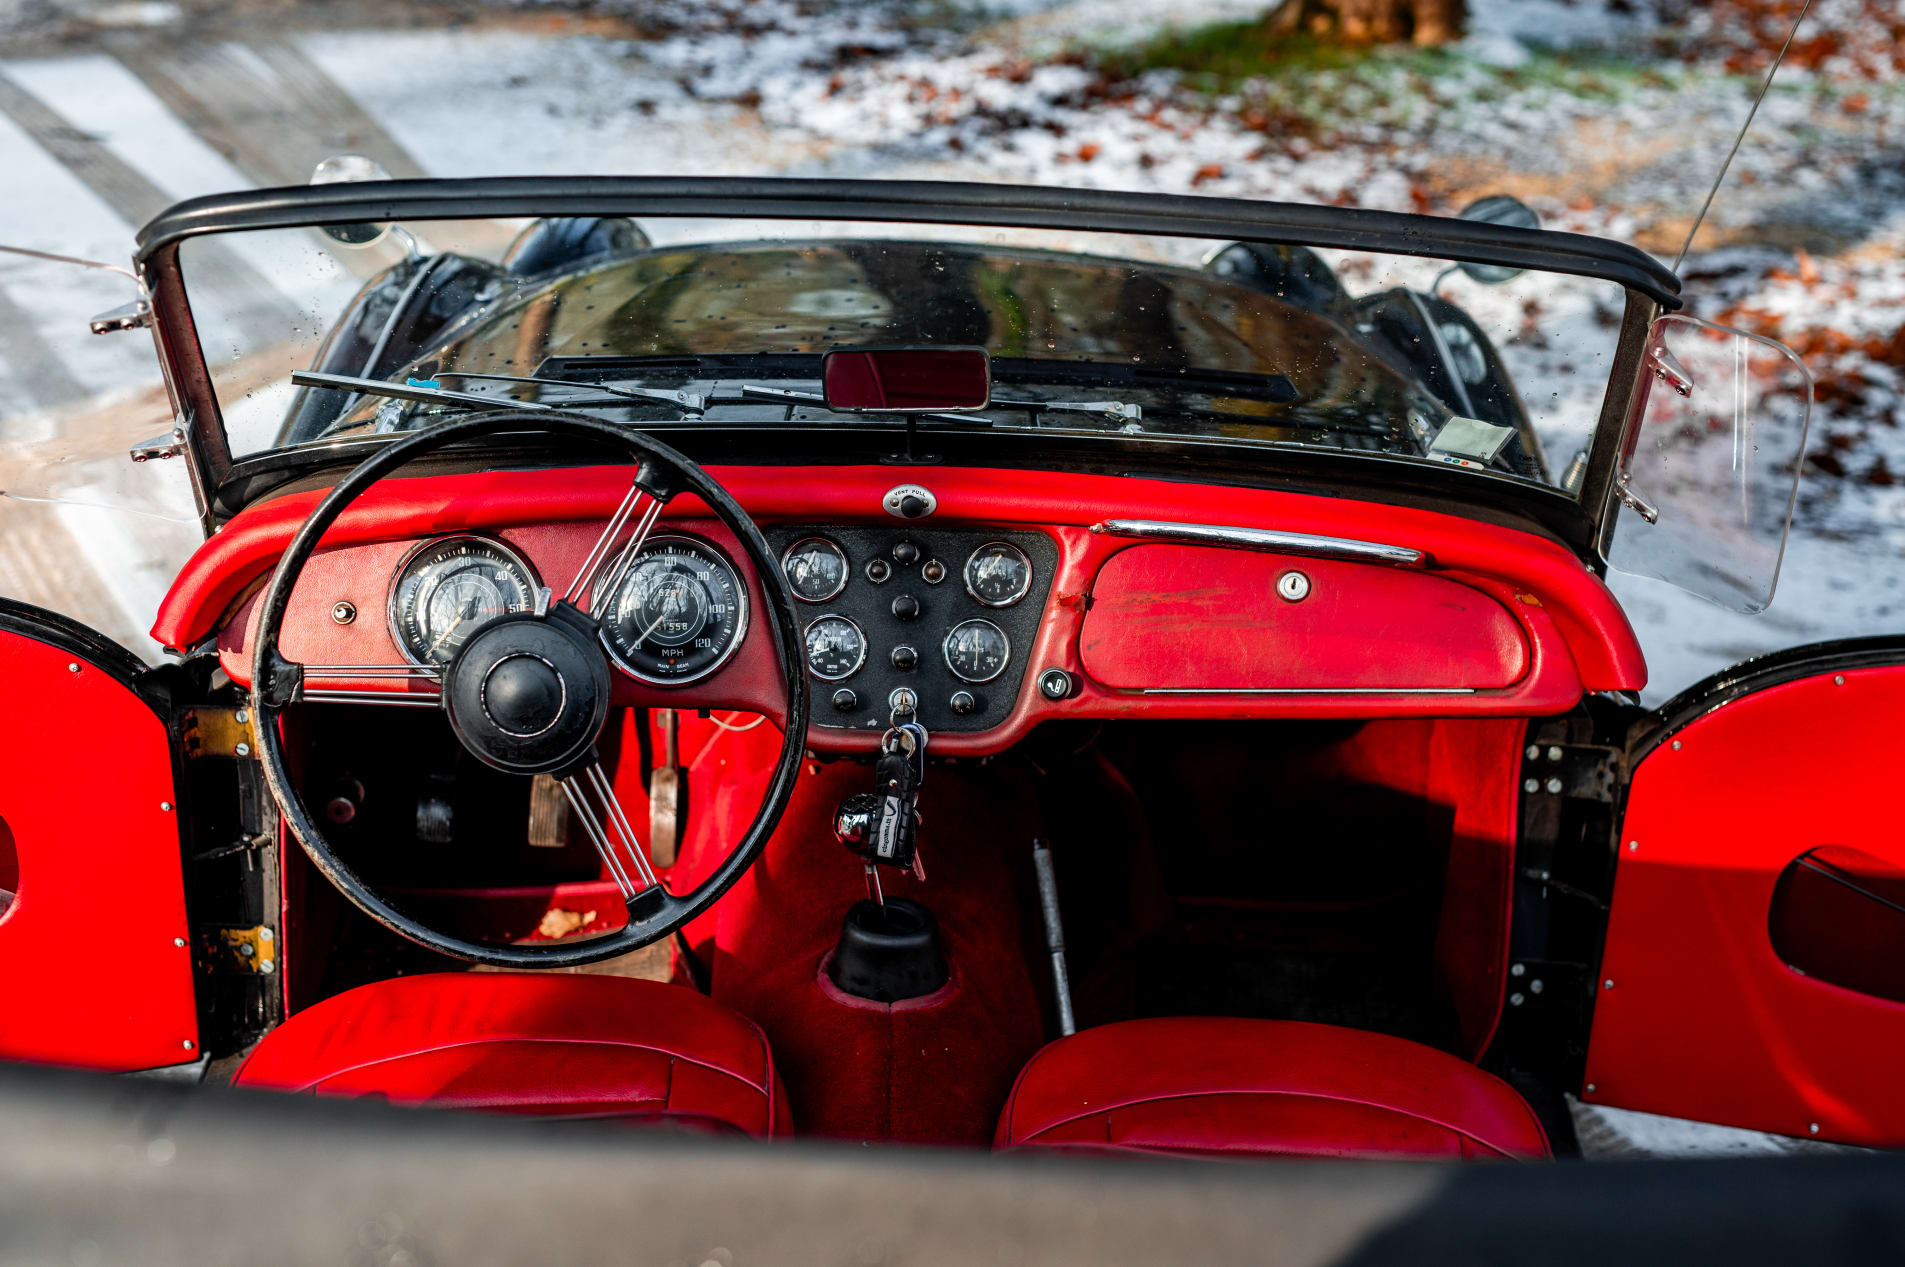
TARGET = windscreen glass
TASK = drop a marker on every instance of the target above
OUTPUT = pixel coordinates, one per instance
(665, 323)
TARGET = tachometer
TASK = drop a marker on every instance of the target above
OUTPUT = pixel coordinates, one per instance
(449, 588)
(977, 651)
(816, 569)
(835, 648)
(677, 614)
(998, 574)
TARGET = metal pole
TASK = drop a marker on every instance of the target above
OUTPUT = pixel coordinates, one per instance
(1054, 935)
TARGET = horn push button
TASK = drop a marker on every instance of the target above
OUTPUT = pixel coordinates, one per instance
(523, 695)
(529, 694)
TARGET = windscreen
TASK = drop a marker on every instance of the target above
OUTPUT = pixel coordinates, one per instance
(662, 323)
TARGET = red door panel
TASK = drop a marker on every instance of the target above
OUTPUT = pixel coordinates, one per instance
(93, 966)
(1212, 619)
(1698, 1015)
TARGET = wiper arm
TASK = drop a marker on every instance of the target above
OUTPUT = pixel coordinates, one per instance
(1111, 410)
(685, 400)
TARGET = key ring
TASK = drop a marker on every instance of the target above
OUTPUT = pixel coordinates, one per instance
(901, 738)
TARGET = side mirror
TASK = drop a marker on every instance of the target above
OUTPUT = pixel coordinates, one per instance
(342, 169)
(907, 380)
(1497, 209)
(1711, 462)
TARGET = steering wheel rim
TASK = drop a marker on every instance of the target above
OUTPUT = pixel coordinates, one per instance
(275, 685)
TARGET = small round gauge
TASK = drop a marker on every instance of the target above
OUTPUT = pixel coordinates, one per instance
(998, 574)
(677, 614)
(835, 648)
(449, 588)
(977, 651)
(816, 569)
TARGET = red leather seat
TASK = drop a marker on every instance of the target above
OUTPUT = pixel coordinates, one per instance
(1215, 1087)
(551, 1044)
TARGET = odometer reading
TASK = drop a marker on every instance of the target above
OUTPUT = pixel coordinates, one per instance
(977, 651)
(835, 648)
(998, 574)
(677, 613)
(449, 588)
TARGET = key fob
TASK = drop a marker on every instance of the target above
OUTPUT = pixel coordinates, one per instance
(895, 836)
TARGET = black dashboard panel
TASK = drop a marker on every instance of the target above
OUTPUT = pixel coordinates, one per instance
(869, 604)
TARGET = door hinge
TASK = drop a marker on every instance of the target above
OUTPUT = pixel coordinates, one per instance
(247, 950)
(218, 732)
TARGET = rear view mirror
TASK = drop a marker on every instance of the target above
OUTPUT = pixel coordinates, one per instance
(344, 169)
(907, 380)
(1500, 209)
(1711, 467)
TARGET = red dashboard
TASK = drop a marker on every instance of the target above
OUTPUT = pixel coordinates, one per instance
(1402, 611)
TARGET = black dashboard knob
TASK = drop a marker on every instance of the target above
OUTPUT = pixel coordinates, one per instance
(905, 658)
(906, 607)
(1055, 684)
(912, 506)
(878, 570)
(905, 553)
(963, 703)
(845, 701)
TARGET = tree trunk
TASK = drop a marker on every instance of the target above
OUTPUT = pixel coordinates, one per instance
(1372, 21)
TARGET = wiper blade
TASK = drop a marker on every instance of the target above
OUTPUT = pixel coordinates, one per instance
(689, 401)
(405, 391)
(1111, 410)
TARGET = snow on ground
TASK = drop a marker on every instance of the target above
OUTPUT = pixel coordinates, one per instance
(1607, 118)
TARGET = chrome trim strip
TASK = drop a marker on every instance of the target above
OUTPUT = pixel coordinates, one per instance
(1258, 539)
(1308, 690)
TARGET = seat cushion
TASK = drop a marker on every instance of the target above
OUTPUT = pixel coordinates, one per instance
(1218, 1087)
(551, 1044)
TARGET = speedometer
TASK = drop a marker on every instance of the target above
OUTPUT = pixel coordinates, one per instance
(449, 588)
(677, 614)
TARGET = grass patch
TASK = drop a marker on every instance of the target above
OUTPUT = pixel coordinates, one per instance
(1218, 58)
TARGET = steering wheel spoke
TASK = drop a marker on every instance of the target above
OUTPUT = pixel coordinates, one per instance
(592, 798)
(346, 684)
(603, 566)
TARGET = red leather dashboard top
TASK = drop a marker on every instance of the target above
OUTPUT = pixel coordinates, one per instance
(1197, 618)
(1572, 635)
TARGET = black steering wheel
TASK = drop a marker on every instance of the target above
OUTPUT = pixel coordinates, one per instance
(528, 693)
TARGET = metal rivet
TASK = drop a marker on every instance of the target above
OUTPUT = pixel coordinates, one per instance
(1838, 679)
(1608, 984)
(344, 611)
(189, 1044)
(243, 717)
(242, 750)
(1633, 846)
(1293, 587)
(1589, 1088)
(165, 806)
(1534, 987)
(268, 967)
(73, 667)
(1515, 1000)
(245, 951)
(1531, 786)
(1534, 750)
(1676, 745)
(1554, 753)
(1554, 786)
(178, 941)
(1517, 969)
(264, 934)
(1814, 1128)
